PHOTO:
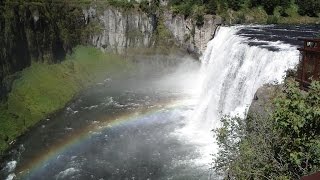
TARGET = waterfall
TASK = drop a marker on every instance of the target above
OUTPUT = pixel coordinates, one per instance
(233, 68)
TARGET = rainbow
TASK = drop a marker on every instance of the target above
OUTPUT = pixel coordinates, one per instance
(83, 135)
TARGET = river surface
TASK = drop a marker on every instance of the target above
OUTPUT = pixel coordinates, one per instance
(157, 122)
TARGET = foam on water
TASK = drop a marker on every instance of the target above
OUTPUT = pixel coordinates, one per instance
(10, 167)
(11, 176)
(67, 173)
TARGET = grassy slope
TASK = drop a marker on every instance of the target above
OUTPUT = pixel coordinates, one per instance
(43, 89)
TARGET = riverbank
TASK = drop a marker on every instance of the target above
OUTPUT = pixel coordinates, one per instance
(42, 89)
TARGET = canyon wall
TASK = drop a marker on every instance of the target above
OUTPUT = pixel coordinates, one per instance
(190, 36)
(29, 33)
(46, 32)
(121, 29)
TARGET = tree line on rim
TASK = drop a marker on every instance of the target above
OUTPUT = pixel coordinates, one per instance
(308, 8)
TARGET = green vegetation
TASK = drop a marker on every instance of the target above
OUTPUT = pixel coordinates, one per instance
(121, 4)
(43, 89)
(234, 11)
(309, 8)
(285, 145)
(241, 11)
(163, 35)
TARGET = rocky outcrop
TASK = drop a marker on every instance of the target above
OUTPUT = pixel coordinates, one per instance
(188, 35)
(262, 104)
(121, 29)
(35, 33)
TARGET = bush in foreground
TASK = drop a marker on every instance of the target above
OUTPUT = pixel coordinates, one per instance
(286, 145)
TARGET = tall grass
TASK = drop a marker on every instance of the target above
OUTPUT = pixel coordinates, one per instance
(43, 89)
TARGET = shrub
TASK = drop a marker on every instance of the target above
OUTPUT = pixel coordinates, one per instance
(296, 119)
(235, 4)
(211, 6)
(272, 19)
(199, 15)
(284, 145)
(122, 4)
(309, 8)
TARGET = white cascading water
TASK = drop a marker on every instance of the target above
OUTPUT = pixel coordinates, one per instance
(231, 73)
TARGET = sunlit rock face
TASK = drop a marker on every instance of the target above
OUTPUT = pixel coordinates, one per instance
(121, 30)
(135, 29)
(188, 35)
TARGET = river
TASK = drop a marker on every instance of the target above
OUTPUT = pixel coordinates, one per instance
(156, 123)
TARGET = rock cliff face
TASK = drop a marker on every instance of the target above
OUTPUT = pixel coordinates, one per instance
(35, 33)
(190, 36)
(262, 104)
(121, 30)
